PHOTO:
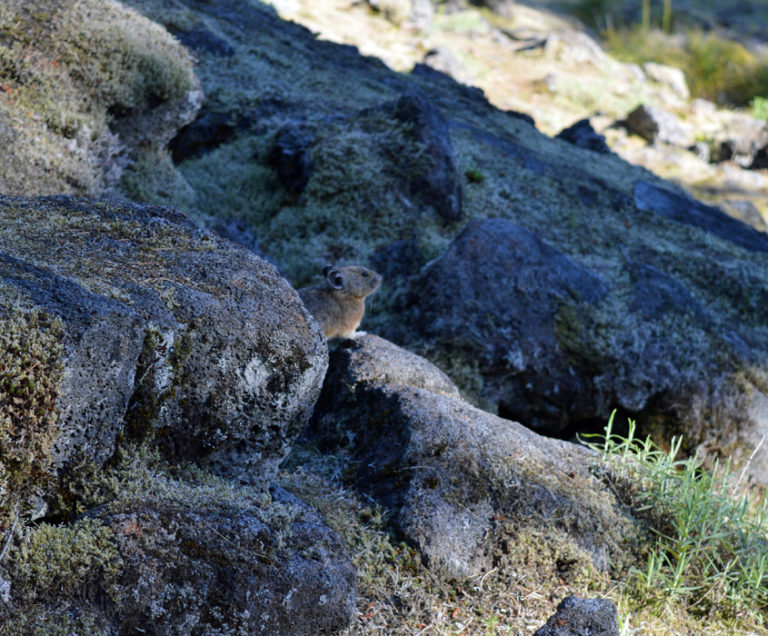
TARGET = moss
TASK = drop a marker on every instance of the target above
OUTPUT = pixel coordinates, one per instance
(60, 562)
(474, 175)
(68, 71)
(30, 375)
(152, 178)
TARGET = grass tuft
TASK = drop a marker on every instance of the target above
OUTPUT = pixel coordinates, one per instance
(709, 554)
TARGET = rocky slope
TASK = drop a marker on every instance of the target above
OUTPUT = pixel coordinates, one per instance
(154, 375)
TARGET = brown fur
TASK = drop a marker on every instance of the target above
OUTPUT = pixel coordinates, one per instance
(339, 307)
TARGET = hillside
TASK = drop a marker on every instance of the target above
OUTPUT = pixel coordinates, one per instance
(181, 451)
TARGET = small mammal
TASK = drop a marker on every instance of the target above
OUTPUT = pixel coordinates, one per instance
(339, 307)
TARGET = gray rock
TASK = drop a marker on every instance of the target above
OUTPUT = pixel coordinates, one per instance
(655, 124)
(168, 332)
(290, 156)
(668, 76)
(206, 133)
(457, 480)
(583, 135)
(686, 210)
(744, 141)
(422, 14)
(188, 554)
(442, 59)
(276, 570)
(575, 47)
(582, 617)
(746, 211)
(398, 259)
(440, 187)
(506, 287)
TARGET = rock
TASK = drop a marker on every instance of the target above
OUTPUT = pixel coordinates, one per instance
(165, 332)
(206, 133)
(504, 8)
(456, 480)
(655, 124)
(743, 141)
(181, 554)
(582, 617)
(668, 76)
(422, 14)
(760, 162)
(745, 211)
(396, 11)
(442, 59)
(686, 210)
(399, 259)
(575, 47)
(583, 135)
(290, 156)
(187, 569)
(440, 186)
(506, 289)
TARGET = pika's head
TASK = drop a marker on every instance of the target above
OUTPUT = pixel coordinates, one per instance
(352, 280)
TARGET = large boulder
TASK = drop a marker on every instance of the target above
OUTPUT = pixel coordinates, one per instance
(497, 295)
(462, 485)
(152, 378)
(157, 329)
(182, 554)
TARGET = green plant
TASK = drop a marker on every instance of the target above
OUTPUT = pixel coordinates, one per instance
(709, 553)
(759, 107)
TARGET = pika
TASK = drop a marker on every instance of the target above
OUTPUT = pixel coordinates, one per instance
(339, 307)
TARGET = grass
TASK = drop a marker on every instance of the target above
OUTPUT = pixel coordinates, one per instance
(716, 67)
(759, 107)
(709, 553)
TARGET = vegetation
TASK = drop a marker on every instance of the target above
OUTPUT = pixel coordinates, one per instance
(716, 67)
(708, 555)
(759, 107)
(68, 72)
(30, 372)
(702, 568)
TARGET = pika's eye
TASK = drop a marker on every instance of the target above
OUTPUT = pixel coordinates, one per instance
(365, 274)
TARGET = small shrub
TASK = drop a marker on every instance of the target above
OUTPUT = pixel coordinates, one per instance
(759, 107)
(710, 552)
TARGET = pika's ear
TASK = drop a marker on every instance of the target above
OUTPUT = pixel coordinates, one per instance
(334, 277)
(327, 269)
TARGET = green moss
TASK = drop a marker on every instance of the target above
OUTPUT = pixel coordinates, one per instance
(474, 176)
(61, 562)
(68, 70)
(30, 375)
(152, 178)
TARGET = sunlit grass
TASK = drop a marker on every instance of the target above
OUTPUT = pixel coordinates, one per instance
(709, 554)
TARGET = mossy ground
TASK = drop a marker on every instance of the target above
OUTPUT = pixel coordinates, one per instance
(534, 569)
(68, 71)
(30, 373)
(72, 572)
